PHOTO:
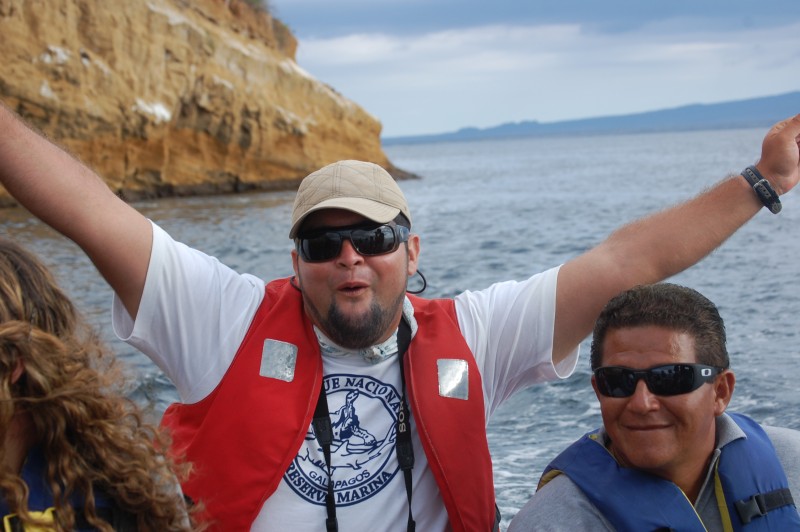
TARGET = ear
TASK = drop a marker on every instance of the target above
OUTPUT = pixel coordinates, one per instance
(723, 391)
(295, 261)
(19, 369)
(413, 254)
(594, 387)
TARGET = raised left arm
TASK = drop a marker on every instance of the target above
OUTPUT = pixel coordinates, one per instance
(663, 244)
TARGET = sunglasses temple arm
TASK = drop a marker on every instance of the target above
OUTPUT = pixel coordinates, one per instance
(424, 285)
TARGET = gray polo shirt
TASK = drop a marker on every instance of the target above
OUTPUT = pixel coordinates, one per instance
(561, 506)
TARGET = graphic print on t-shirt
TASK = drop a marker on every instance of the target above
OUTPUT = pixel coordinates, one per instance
(363, 414)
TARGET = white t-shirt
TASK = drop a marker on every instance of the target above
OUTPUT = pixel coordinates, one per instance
(195, 312)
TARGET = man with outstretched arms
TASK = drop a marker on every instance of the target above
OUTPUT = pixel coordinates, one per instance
(296, 407)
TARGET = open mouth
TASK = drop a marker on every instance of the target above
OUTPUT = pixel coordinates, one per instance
(352, 288)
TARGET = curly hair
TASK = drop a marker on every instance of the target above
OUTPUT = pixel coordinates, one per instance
(94, 439)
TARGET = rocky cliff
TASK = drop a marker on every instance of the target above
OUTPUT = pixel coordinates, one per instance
(167, 97)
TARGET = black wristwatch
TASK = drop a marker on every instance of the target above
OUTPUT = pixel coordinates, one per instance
(763, 189)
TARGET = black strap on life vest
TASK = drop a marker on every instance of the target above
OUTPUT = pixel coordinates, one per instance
(497, 518)
(403, 445)
(405, 451)
(758, 505)
(324, 433)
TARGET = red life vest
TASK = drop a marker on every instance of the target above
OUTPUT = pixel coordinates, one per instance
(223, 435)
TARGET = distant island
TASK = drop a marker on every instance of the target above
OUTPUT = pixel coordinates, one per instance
(755, 112)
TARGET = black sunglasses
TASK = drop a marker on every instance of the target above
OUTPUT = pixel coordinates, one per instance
(670, 379)
(369, 240)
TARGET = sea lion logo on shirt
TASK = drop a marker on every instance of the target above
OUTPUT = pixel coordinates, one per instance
(363, 460)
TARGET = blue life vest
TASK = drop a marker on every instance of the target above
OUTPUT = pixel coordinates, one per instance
(750, 485)
(41, 502)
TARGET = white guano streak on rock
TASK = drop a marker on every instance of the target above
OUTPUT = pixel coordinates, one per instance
(291, 67)
(46, 92)
(296, 121)
(224, 82)
(174, 18)
(157, 110)
(55, 54)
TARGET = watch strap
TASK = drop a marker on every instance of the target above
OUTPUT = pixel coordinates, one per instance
(763, 189)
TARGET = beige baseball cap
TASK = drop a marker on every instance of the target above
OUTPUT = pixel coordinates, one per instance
(357, 186)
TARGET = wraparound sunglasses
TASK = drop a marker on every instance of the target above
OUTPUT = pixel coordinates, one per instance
(368, 240)
(669, 379)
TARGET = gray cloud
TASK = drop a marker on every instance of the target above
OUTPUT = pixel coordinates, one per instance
(579, 63)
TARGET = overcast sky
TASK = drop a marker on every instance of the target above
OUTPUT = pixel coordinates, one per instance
(434, 66)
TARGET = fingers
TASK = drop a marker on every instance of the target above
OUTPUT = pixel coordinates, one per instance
(780, 155)
(791, 123)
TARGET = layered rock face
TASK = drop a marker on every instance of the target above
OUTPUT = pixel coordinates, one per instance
(168, 97)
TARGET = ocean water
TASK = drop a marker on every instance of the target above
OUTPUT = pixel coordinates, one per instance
(495, 210)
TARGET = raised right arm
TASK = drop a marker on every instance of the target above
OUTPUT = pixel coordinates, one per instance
(68, 196)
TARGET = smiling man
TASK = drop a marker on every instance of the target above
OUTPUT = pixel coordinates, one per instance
(668, 457)
(261, 365)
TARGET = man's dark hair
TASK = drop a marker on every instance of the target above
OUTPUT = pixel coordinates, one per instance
(670, 306)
